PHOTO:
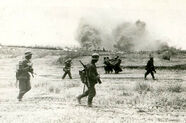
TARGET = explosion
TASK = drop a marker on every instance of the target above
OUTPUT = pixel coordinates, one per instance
(125, 36)
(88, 36)
(128, 35)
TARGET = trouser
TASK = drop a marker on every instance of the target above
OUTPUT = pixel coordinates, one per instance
(24, 86)
(117, 69)
(69, 74)
(90, 92)
(151, 72)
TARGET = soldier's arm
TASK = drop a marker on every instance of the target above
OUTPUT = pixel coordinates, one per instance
(25, 68)
(93, 74)
(153, 68)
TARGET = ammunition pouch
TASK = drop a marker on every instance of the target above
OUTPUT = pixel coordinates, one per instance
(66, 69)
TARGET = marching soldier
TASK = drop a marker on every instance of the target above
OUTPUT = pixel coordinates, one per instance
(150, 68)
(117, 66)
(67, 68)
(92, 79)
(23, 75)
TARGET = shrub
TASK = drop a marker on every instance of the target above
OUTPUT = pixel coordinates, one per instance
(175, 88)
(169, 102)
(51, 89)
(73, 54)
(166, 56)
(142, 87)
(57, 90)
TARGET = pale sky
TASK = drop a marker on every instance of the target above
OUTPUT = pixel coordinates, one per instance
(55, 22)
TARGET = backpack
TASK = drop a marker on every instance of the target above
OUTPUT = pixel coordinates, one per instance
(82, 74)
(18, 71)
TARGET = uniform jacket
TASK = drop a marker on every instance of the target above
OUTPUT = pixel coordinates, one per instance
(24, 69)
(92, 74)
(67, 66)
(150, 65)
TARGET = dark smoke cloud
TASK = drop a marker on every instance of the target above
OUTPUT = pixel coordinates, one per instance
(126, 36)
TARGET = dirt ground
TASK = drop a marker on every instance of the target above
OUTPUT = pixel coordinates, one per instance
(118, 98)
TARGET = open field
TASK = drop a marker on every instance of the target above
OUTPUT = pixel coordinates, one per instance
(125, 97)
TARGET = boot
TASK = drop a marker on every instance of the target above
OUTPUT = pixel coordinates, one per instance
(90, 102)
(19, 99)
(79, 99)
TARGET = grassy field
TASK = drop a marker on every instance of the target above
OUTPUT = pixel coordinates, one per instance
(125, 97)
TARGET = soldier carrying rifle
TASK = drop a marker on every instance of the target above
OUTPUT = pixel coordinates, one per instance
(150, 68)
(67, 68)
(92, 79)
(23, 75)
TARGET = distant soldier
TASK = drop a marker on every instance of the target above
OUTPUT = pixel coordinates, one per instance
(92, 79)
(67, 68)
(117, 66)
(150, 68)
(107, 65)
(23, 75)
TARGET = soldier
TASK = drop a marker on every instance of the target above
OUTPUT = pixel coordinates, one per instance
(93, 77)
(107, 65)
(117, 66)
(67, 68)
(150, 68)
(23, 75)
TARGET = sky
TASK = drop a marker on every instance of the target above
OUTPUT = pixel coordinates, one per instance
(55, 22)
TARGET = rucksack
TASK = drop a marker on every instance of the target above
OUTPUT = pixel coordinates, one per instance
(83, 76)
(18, 71)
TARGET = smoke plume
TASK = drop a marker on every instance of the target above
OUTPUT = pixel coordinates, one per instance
(88, 36)
(125, 36)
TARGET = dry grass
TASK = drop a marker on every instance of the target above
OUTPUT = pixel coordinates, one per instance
(175, 88)
(125, 97)
(142, 87)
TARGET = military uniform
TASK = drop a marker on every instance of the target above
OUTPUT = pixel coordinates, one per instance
(67, 68)
(93, 77)
(23, 76)
(150, 68)
(117, 67)
(108, 66)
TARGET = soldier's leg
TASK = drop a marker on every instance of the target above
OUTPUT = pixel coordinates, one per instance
(28, 86)
(22, 88)
(92, 93)
(146, 73)
(105, 68)
(64, 75)
(69, 74)
(152, 74)
(116, 69)
(82, 95)
(111, 69)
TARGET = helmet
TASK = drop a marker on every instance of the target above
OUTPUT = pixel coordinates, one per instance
(28, 53)
(69, 60)
(95, 56)
(150, 56)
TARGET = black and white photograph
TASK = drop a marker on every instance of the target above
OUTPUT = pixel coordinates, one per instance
(92, 61)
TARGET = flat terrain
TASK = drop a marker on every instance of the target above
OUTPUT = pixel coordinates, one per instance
(125, 97)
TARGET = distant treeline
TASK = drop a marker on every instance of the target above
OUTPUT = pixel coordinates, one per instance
(36, 47)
